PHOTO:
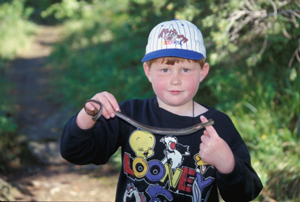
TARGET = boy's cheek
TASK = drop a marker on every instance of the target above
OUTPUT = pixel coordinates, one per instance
(159, 83)
(192, 85)
(157, 89)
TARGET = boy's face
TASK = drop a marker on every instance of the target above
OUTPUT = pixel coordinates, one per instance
(175, 85)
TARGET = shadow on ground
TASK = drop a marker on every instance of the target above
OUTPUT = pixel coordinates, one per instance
(40, 122)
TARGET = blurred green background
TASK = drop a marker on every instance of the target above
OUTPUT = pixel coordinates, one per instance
(253, 48)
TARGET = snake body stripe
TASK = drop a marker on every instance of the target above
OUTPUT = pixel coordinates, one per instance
(151, 129)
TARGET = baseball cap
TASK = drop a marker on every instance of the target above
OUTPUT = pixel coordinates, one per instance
(175, 38)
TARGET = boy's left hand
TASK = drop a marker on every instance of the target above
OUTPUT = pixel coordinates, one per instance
(214, 150)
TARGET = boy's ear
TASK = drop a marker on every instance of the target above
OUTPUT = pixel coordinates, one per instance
(147, 71)
(204, 71)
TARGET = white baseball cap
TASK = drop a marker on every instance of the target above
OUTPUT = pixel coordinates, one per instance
(175, 38)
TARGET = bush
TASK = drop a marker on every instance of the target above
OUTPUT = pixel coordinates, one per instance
(13, 15)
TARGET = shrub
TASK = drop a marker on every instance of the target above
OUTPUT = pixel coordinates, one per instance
(13, 15)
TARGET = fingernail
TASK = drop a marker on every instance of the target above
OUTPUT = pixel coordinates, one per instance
(112, 115)
(117, 109)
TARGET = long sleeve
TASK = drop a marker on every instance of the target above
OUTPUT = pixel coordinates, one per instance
(90, 146)
(242, 184)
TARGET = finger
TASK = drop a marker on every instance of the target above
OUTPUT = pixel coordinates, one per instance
(205, 137)
(112, 104)
(106, 114)
(113, 101)
(91, 108)
(201, 150)
(108, 103)
(201, 154)
(107, 110)
(205, 133)
(201, 147)
(210, 129)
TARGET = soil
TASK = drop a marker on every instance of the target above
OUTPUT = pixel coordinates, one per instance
(62, 181)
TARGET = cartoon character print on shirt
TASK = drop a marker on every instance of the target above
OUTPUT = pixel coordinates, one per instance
(174, 151)
(167, 176)
(202, 165)
(200, 182)
(132, 194)
(155, 190)
(142, 143)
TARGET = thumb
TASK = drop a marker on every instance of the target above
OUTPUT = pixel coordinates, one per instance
(210, 130)
(91, 108)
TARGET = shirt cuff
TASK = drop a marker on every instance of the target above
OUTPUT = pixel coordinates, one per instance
(82, 134)
(234, 175)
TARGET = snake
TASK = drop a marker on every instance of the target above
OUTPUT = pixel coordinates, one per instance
(151, 129)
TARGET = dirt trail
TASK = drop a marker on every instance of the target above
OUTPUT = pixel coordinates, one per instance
(61, 181)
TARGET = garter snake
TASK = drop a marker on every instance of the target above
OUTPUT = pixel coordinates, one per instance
(151, 129)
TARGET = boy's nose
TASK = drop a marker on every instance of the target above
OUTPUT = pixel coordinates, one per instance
(176, 80)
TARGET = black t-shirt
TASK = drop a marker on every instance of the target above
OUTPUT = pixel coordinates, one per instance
(162, 167)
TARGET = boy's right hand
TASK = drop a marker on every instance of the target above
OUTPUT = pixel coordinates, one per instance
(109, 104)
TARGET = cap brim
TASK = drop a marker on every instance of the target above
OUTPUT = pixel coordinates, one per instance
(187, 54)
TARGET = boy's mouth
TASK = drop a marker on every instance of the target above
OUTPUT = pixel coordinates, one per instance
(175, 92)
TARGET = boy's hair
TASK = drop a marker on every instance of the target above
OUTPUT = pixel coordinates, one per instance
(173, 60)
(175, 38)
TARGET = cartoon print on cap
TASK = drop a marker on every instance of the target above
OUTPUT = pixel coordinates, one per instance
(171, 37)
(142, 143)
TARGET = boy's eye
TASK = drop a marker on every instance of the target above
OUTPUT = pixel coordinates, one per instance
(165, 70)
(185, 70)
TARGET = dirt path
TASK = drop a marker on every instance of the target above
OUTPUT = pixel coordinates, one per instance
(40, 124)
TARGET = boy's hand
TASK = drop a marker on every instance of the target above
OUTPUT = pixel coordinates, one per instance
(215, 151)
(109, 104)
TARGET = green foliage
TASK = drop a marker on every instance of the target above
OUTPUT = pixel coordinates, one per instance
(251, 77)
(255, 86)
(98, 43)
(39, 7)
(13, 15)
(7, 126)
(65, 9)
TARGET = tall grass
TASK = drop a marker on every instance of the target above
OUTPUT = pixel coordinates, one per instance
(266, 110)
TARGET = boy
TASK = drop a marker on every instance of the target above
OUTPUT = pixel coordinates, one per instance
(166, 167)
